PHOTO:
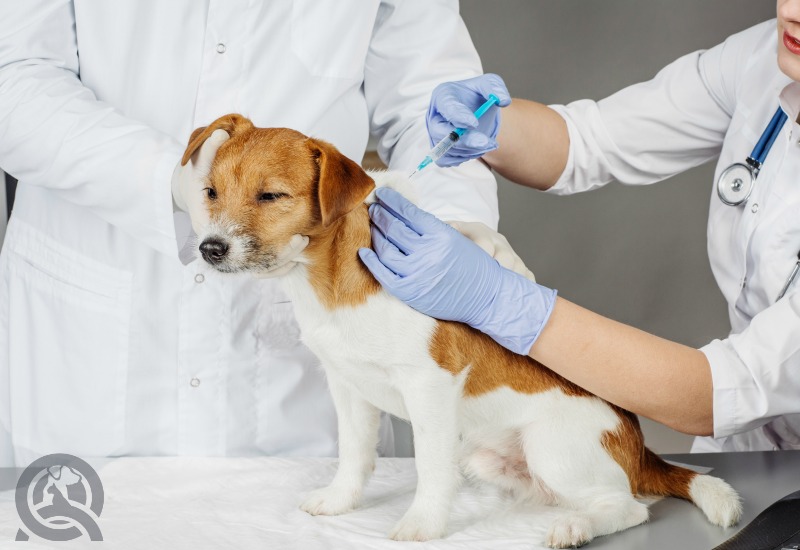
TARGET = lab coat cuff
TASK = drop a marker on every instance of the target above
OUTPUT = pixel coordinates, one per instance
(725, 388)
(561, 187)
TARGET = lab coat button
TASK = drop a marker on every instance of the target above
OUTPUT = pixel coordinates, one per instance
(199, 278)
(220, 48)
(194, 382)
(754, 208)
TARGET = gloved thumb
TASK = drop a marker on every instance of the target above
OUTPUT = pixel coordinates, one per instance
(385, 276)
(491, 83)
(207, 151)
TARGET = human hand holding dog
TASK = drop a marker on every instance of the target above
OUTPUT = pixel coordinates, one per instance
(438, 271)
(189, 180)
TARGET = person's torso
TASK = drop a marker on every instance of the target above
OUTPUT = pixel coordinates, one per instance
(115, 348)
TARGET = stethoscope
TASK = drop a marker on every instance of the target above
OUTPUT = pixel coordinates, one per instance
(736, 182)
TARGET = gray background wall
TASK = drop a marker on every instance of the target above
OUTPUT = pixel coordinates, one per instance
(637, 255)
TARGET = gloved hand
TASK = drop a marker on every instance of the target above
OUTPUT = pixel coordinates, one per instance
(495, 245)
(286, 258)
(452, 106)
(189, 181)
(433, 268)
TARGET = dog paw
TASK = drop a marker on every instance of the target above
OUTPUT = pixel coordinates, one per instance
(569, 532)
(419, 528)
(330, 502)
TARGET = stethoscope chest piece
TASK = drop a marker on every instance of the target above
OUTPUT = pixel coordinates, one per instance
(735, 184)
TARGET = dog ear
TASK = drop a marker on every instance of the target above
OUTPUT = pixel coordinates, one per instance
(230, 123)
(342, 183)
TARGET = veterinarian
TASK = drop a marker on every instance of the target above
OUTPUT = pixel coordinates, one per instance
(742, 392)
(109, 343)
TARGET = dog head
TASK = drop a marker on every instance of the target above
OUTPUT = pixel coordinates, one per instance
(267, 185)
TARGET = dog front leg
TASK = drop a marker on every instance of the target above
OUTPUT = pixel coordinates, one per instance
(359, 423)
(432, 406)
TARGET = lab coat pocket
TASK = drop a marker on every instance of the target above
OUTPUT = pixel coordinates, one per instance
(278, 329)
(331, 37)
(68, 348)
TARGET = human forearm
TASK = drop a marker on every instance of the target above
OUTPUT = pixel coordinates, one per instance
(662, 380)
(533, 145)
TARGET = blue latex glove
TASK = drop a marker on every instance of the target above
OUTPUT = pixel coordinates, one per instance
(436, 270)
(452, 106)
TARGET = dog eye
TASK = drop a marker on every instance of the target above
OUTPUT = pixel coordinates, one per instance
(210, 193)
(267, 197)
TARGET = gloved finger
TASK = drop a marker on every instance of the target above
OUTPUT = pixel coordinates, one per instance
(438, 129)
(456, 113)
(393, 229)
(455, 157)
(275, 272)
(207, 151)
(418, 220)
(195, 202)
(389, 255)
(386, 277)
(475, 141)
(297, 243)
(491, 83)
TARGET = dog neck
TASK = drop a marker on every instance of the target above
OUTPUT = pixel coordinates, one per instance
(333, 267)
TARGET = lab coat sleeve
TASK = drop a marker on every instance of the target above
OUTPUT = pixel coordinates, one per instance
(417, 44)
(653, 130)
(55, 133)
(756, 373)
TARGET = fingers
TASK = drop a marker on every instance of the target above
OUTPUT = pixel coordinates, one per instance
(455, 112)
(297, 243)
(389, 255)
(419, 220)
(394, 229)
(208, 150)
(491, 83)
(477, 142)
(386, 277)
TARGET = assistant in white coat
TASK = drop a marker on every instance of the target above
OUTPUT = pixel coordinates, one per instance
(109, 345)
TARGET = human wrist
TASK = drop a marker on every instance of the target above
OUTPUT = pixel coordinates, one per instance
(518, 313)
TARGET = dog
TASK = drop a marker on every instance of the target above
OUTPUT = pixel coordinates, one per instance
(476, 409)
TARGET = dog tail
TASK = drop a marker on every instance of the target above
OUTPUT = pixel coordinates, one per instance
(718, 501)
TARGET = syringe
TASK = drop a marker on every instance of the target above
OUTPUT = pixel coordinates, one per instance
(441, 148)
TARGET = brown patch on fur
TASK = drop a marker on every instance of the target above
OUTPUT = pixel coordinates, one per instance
(336, 273)
(230, 123)
(456, 346)
(648, 474)
(342, 184)
(315, 190)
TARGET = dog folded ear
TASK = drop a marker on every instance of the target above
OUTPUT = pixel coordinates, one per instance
(342, 183)
(230, 123)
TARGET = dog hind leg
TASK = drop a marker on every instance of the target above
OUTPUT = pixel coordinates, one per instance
(584, 480)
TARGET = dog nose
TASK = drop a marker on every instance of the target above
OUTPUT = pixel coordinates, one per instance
(213, 250)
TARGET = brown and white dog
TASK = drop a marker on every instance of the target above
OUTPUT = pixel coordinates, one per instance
(475, 407)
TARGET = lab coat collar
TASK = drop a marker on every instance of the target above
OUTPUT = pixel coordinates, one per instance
(790, 100)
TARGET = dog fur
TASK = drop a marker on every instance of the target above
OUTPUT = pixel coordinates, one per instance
(476, 408)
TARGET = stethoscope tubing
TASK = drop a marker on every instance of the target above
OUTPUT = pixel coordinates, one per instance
(753, 165)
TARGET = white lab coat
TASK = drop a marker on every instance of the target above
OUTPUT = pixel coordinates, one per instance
(109, 345)
(707, 105)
